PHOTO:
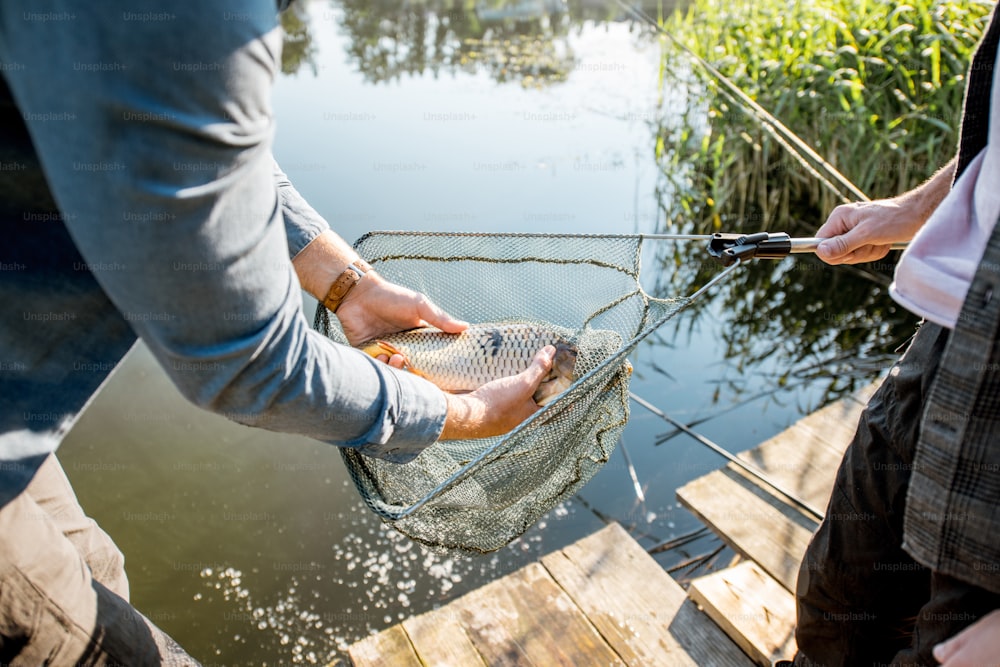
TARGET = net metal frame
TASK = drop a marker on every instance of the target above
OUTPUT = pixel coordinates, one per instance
(476, 496)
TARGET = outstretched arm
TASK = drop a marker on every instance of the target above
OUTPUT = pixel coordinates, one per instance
(863, 232)
(191, 229)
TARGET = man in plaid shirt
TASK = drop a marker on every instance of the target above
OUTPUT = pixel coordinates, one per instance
(906, 567)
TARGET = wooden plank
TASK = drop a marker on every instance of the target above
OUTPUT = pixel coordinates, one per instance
(639, 609)
(389, 647)
(752, 608)
(439, 640)
(800, 463)
(803, 460)
(834, 424)
(751, 520)
(526, 619)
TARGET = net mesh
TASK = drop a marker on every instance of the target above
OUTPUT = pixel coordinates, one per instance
(478, 495)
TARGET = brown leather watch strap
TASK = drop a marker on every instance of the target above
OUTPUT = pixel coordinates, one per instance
(344, 283)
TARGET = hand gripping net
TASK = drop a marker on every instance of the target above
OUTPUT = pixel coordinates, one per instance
(478, 495)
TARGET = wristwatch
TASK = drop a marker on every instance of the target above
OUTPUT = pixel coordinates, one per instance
(344, 283)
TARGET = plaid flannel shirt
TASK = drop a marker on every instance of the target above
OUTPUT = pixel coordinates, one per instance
(952, 520)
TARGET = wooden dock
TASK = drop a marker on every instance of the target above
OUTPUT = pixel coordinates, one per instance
(605, 601)
(601, 601)
(753, 600)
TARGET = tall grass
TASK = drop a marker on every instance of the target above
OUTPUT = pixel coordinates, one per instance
(876, 88)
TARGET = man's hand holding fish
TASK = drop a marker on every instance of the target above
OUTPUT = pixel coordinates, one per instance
(498, 406)
(375, 307)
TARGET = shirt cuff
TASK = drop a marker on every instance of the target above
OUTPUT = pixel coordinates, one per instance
(413, 418)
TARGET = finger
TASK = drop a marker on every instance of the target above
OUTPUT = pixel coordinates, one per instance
(964, 648)
(397, 361)
(540, 366)
(866, 253)
(430, 313)
(843, 233)
(838, 222)
(384, 358)
(945, 651)
(832, 250)
(942, 653)
(841, 249)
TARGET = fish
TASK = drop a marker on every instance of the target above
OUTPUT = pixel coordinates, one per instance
(463, 362)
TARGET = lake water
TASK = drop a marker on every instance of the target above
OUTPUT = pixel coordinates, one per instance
(253, 548)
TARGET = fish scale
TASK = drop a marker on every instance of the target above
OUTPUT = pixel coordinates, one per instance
(483, 353)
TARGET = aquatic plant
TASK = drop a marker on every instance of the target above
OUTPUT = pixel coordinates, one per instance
(875, 88)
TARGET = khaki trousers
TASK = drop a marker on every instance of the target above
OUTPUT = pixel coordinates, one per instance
(63, 589)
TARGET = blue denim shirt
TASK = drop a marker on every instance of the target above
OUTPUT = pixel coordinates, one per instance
(138, 196)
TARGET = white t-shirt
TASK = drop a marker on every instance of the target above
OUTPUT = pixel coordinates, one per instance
(935, 271)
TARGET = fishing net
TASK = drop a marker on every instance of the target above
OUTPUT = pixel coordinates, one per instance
(478, 495)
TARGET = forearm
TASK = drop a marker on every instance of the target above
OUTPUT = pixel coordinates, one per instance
(320, 263)
(921, 201)
(318, 254)
(864, 231)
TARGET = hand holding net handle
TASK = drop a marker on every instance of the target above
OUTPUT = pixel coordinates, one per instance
(801, 245)
(729, 248)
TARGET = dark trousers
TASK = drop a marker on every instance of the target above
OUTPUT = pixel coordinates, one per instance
(861, 599)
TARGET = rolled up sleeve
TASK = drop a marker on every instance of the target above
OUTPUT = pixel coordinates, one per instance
(302, 223)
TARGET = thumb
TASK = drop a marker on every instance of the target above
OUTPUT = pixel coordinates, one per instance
(839, 249)
(435, 316)
(944, 651)
(834, 248)
(540, 365)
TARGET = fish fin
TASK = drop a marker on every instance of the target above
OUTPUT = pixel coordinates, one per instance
(377, 347)
(390, 349)
(550, 388)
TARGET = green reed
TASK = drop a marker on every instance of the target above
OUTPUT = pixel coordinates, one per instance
(875, 88)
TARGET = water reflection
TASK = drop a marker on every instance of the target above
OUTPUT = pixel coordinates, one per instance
(831, 327)
(525, 41)
(298, 48)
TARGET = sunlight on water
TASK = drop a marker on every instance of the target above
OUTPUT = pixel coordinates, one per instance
(387, 577)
